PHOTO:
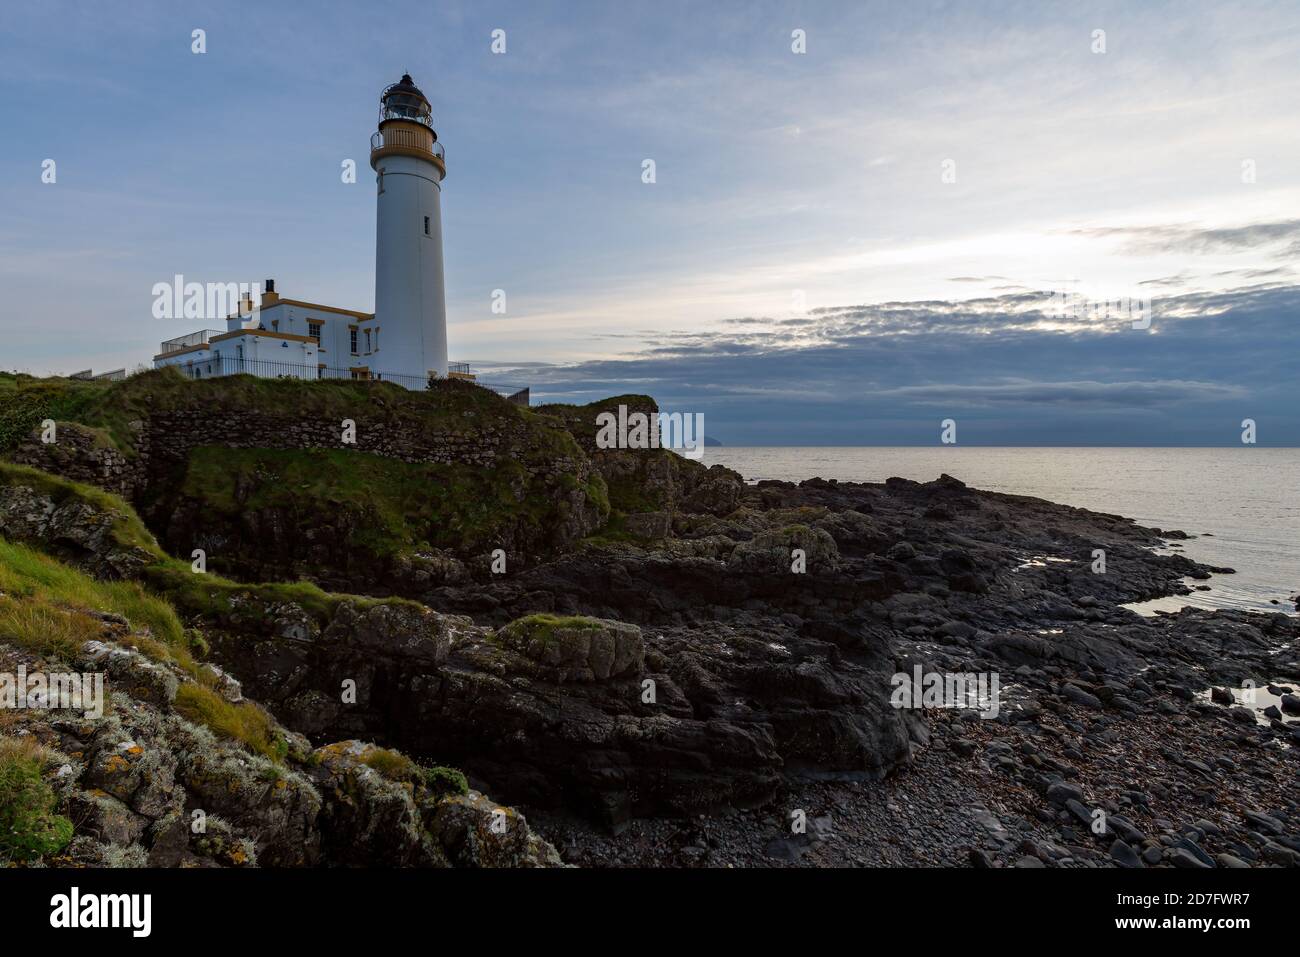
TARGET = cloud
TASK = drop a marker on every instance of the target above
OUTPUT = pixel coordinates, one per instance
(884, 373)
(1129, 393)
(1276, 272)
(1166, 282)
(1146, 240)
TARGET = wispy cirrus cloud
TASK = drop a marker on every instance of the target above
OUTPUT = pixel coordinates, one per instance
(1128, 393)
(1143, 240)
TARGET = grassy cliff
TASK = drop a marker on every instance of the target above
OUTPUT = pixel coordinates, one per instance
(158, 589)
(449, 405)
(256, 472)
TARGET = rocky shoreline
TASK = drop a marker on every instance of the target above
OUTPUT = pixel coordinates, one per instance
(689, 670)
(1108, 749)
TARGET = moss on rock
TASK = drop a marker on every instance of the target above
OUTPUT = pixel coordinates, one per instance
(443, 781)
(575, 647)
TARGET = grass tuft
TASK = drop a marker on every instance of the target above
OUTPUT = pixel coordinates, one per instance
(543, 627)
(29, 828)
(45, 586)
(47, 629)
(244, 722)
(391, 764)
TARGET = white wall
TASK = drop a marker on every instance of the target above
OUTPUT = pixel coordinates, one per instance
(335, 342)
(265, 356)
(410, 303)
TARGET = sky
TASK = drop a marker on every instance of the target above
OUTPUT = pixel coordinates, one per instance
(840, 246)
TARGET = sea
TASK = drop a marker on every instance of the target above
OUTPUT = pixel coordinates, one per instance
(1242, 504)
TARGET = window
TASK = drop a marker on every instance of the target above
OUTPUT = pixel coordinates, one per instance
(354, 340)
(426, 225)
(376, 338)
(275, 324)
(367, 340)
(381, 179)
(313, 331)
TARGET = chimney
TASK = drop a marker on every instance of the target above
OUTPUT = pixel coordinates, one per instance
(270, 285)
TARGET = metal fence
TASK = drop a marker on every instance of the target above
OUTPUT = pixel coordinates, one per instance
(269, 369)
(180, 343)
(518, 394)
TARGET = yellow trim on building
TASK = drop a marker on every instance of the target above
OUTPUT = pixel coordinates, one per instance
(181, 352)
(315, 306)
(363, 316)
(261, 332)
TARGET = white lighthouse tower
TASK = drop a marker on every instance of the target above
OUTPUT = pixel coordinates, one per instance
(409, 165)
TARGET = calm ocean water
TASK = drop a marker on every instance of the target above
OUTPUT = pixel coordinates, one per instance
(1248, 499)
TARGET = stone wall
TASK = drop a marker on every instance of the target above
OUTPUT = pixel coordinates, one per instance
(548, 506)
(167, 438)
(83, 455)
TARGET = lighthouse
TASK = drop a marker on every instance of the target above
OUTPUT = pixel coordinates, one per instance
(409, 165)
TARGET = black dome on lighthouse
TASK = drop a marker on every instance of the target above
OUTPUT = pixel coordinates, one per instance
(404, 100)
(405, 86)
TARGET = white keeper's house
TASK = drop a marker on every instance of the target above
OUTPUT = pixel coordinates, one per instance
(405, 339)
